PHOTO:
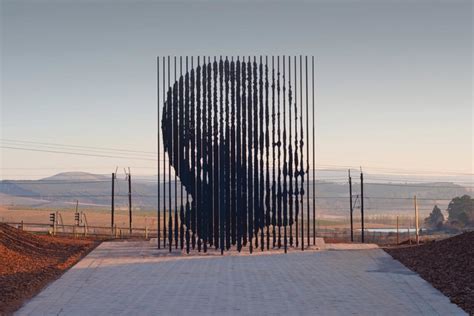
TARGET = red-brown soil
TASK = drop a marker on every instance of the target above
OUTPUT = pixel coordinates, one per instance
(29, 262)
(447, 264)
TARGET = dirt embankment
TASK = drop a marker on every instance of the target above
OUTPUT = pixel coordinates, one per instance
(447, 264)
(29, 262)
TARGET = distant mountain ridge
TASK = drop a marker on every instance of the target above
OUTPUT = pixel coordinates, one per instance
(331, 194)
(75, 175)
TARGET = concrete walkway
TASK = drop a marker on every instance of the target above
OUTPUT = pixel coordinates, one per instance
(133, 278)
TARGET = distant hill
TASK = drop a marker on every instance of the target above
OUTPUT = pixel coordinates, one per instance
(332, 197)
(75, 175)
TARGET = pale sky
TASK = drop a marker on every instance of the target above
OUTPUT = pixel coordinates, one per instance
(393, 78)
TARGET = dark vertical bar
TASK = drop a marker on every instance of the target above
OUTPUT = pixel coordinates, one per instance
(221, 159)
(250, 160)
(244, 214)
(181, 151)
(176, 153)
(170, 156)
(194, 202)
(274, 195)
(239, 205)
(112, 207)
(197, 214)
(307, 151)
(314, 155)
(189, 134)
(362, 204)
(350, 205)
(216, 159)
(233, 171)
(164, 154)
(205, 185)
(267, 149)
(285, 164)
(130, 203)
(301, 154)
(227, 156)
(202, 182)
(279, 193)
(256, 194)
(158, 146)
(210, 206)
(297, 189)
(186, 169)
(261, 152)
(290, 154)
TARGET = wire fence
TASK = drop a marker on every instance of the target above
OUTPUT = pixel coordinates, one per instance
(381, 237)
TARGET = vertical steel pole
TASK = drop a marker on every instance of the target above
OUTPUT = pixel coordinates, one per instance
(301, 148)
(296, 172)
(350, 206)
(158, 146)
(170, 158)
(279, 193)
(176, 154)
(164, 158)
(181, 148)
(307, 151)
(112, 209)
(285, 164)
(130, 202)
(417, 232)
(314, 155)
(290, 154)
(362, 204)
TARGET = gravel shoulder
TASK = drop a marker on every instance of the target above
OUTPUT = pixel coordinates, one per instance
(447, 264)
(29, 262)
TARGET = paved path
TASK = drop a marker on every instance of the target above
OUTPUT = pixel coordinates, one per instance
(133, 278)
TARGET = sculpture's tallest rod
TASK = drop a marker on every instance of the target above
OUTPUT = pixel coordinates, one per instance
(267, 147)
(158, 148)
(170, 153)
(301, 154)
(285, 165)
(307, 152)
(181, 151)
(314, 153)
(290, 155)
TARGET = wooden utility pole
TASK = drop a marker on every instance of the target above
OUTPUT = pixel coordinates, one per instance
(112, 222)
(362, 203)
(130, 200)
(398, 239)
(350, 205)
(417, 228)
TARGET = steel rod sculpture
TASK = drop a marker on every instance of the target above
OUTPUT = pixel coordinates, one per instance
(235, 138)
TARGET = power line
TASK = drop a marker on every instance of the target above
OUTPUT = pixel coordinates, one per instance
(42, 182)
(394, 169)
(414, 181)
(419, 185)
(78, 146)
(75, 153)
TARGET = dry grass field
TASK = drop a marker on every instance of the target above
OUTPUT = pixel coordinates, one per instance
(95, 217)
(101, 217)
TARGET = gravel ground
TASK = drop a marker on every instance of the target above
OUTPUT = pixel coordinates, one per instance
(447, 264)
(29, 262)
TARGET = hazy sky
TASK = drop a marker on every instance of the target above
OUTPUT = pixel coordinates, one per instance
(393, 78)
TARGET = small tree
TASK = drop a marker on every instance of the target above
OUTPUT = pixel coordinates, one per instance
(435, 219)
(461, 210)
